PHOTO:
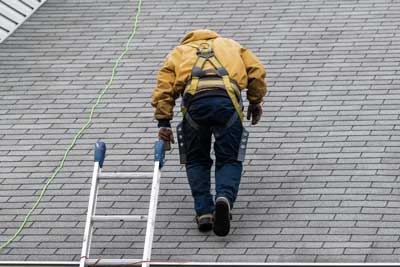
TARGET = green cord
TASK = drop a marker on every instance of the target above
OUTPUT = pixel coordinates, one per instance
(81, 131)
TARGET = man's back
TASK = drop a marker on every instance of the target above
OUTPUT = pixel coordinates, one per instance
(242, 65)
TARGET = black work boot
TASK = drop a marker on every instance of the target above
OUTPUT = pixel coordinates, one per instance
(222, 217)
(205, 222)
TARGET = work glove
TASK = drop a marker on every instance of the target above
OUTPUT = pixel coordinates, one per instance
(254, 112)
(165, 134)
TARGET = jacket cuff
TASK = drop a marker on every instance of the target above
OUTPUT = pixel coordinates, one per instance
(164, 123)
(255, 102)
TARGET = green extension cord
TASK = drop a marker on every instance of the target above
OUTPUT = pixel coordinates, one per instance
(81, 131)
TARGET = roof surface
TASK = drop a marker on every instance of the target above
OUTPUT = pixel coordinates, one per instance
(320, 182)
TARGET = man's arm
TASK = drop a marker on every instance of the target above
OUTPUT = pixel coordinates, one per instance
(164, 95)
(257, 87)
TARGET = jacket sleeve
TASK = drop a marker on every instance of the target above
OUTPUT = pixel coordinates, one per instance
(256, 87)
(164, 95)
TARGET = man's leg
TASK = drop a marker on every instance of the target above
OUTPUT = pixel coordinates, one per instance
(228, 169)
(227, 174)
(198, 166)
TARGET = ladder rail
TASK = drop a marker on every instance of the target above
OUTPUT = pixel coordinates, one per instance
(93, 215)
(87, 236)
(151, 217)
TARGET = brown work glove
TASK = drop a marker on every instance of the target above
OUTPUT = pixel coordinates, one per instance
(254, 112)
(165, 134)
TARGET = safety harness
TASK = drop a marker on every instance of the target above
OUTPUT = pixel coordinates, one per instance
(210, 79)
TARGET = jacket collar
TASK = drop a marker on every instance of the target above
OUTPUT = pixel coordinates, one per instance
(198, 35)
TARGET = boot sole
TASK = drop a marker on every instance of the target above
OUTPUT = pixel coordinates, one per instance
(222, 219)
(205, 227)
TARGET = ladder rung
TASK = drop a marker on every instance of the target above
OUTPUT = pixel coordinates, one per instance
(125, 175)
(113, 262)
(116, 218)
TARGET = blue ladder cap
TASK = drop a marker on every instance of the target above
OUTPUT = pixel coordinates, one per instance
(159, 152)
(99, 152)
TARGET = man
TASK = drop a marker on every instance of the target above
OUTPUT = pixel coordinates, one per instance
(209, 72)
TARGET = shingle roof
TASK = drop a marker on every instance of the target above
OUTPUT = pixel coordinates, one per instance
(320, 181)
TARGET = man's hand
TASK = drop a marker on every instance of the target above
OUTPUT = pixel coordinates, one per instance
(254, 112)
(165, 134)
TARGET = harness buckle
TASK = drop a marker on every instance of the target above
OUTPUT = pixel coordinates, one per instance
(205, 50)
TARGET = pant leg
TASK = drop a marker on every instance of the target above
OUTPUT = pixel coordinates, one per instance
(198, 166)
(212, 113)
(228, 169)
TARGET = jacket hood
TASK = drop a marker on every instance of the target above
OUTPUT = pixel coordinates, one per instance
(198, 35)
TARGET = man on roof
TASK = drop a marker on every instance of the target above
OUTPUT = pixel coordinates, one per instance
(209, 72)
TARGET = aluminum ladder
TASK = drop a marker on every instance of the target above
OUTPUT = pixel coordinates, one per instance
(99, 155)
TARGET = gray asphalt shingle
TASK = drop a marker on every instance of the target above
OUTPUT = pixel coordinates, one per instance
(320, 182)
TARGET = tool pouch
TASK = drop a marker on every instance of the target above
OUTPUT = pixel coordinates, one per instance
(181, 143)
(243, 145)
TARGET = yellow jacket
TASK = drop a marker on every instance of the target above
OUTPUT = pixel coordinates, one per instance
(242, 65)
